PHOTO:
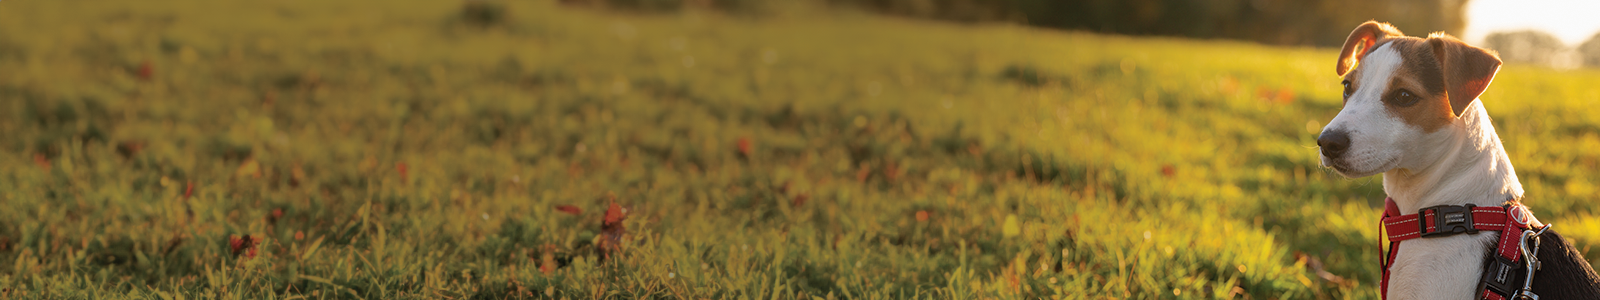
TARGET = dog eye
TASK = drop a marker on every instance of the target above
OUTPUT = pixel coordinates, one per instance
(1347, 89)
(1403, 98)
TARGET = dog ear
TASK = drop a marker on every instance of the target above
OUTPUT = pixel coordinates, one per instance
(1364, 37)
(1467, 69)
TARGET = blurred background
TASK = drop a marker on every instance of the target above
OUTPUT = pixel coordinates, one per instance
(710, 149)
(1558, 34)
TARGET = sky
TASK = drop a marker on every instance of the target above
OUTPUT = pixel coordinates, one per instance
(1574, 21)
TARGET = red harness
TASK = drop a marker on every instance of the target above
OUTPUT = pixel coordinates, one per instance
(1506, 274)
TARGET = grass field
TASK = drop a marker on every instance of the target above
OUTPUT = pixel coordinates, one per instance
(430, 149)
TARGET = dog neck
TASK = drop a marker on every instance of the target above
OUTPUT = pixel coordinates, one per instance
(1471, 168)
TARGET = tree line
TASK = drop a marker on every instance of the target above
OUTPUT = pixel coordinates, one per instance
(1304, 22)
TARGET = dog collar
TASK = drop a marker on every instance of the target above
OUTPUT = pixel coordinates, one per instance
(1509, 271)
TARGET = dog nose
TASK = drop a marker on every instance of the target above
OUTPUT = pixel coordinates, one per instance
(1333, 143)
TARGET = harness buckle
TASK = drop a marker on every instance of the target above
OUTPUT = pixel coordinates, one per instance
(1447, 220)
(1502, 276)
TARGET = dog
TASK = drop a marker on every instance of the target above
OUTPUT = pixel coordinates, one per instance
(1411, 112)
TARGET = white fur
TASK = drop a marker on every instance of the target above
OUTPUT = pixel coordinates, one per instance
(1458, 164)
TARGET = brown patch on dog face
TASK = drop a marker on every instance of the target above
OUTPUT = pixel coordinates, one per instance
(1415, 90)
(1422, 78)
(1430, 85)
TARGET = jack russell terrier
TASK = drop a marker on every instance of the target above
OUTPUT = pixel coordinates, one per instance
(1411, 112)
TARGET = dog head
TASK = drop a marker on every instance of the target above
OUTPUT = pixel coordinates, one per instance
(1402, 96)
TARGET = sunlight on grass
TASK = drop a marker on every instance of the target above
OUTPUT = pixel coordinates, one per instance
(417, 151)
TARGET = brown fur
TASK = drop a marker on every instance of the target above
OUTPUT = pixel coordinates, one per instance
(1421, 75)
(1468, 70)
(1364, 37)
(1444, 72)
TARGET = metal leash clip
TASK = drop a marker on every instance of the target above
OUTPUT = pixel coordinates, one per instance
(1530, 237)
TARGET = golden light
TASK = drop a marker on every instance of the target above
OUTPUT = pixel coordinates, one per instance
(1573, 21)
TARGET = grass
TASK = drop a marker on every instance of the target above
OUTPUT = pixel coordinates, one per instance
(383, 150)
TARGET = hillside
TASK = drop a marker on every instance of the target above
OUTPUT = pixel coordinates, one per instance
(416, 149)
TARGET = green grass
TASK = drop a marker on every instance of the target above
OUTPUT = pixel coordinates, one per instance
(1132, 167)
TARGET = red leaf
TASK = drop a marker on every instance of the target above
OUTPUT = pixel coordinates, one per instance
(188, 191)
(40, 160)
(612, 230)
(744, 146)
(146, 71)
(129, 148)
(614, 214)
(268, 97)
(547, 264)
(402, 168)
(569, 209)
(800, 199)
(547, 259)
(922, 216)
(245, 245)
(1168, 170)
(891, 171)
(272, 218)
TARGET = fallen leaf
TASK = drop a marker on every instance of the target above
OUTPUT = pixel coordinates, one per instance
(1168, 170)
(146, 71)
(272, 218)
(744, 146)
(129, 148)
(40, 160)
(243, 245)
(569, 209)
(614, 215)
(547, 263)
(612, 230)
(402, 168)
(922, 216)
(891, 171)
